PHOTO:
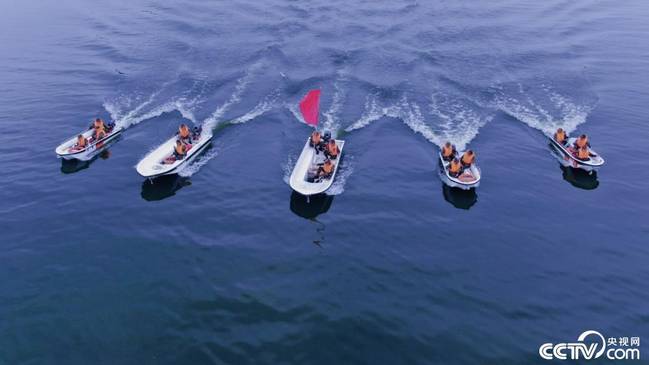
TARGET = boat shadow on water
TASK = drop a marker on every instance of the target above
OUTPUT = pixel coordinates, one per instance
(72, 166)
(310, 208)
(459, 198)
(577, 177)
(163, 187)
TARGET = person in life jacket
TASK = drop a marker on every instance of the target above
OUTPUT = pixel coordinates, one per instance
(316, 141)
(180, 150)
(582, 141)
(184, 133)
(332, 150)
(468, 158)
(448, 151)
(82, 142)
(561, 136)
(326, 169)
(455, 168)
(99, 129)
(583, 154)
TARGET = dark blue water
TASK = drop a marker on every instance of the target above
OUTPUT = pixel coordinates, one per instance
(225, 265)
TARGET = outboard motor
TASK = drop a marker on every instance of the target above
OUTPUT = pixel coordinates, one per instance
(197, 131)
(326, 137)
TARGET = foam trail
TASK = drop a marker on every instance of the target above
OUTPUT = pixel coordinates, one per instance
(409, 113)
(195, 166)
(265, 105)
(373, 112)
(330, 115)
(545, 112)
(240, 88)
(459, 122)
(288, 168)
(344, 172)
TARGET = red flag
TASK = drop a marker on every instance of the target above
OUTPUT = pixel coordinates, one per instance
(310, 107)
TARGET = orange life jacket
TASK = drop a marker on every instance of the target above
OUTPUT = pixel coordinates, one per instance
(328, 167)
(180, 149)
(560, 136)
(583, 154)
(582, 142)
(454, 167)
(332, 149)
(99, 133)
(99, 124)
(183, 131)
(447, 151)
(468, 160)
(315, 138)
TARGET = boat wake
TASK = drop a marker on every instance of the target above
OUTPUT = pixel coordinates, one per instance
(451, 118)
(265, 105)
(543, 108)
(331, 122)
(459, 119)
(195, 166)
(242, 84)
(128, 111)
(344, 172)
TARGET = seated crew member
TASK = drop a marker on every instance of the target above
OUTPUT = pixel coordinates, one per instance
(582, 141)
(583, 154)
(99, 129)
(455, 168)
(184, 134)
(326, 169)
(468, 158)
(316, 141)
(561, 136)
(82, 142)
(180, 150)
(332, 150)
(448, 151)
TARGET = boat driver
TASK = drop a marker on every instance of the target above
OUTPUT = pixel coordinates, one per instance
(184, 134)
(316, 141)
(583, 154)
(448, 151)
(561, 136)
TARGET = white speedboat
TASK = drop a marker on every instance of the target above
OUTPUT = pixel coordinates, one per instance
(69, 150)
(304, 179)
(568, 158)
(468, 179)
(161, 161)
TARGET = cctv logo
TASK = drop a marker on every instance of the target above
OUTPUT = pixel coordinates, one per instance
(592, 349)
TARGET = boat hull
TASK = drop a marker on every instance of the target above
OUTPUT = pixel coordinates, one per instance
(464, 181)
(152, 166)
(567, 159)
(66, 152)
(299, 180)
